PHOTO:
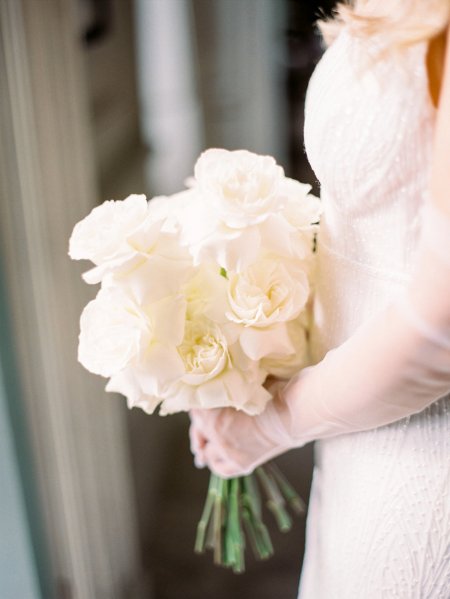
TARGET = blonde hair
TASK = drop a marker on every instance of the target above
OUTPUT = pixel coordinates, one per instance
(402, 22)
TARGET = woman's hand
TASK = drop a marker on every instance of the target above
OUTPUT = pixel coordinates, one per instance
(232, 443)
(394, 365)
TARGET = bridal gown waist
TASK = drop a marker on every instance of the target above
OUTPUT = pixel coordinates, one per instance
(347, 292)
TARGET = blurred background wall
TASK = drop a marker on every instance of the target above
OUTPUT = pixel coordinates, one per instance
(100, 99)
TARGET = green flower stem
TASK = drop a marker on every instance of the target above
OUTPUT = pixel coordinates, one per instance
(206, 515)
(259, 534)
(229, 557)
(251, 505)
(218, 520)
(294, 500)
(233, 506)
(236, 542)
(210, 541)
(275, 501)
(251, 492)
(251, 533)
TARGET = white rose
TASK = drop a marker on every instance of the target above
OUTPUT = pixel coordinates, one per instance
(206, 294)
(268, 292)
(232, 249)
(245, 205)
(120, 237)
(241, 185)
(113, 333)
(159, 272)
(230, 390)
(291, 231)
(119, 331)
(286, 366)
(126, 383)
(216, 375)
(204, 351)
(302, 209)
(173, 209)
(263, 298)
(102, 235)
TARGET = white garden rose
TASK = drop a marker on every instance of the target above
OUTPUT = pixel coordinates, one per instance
(153, 252)
(263, 298)
(102, 235)
(268, 292)
(206, 293)
(127, 384)
(121, 236)
(113, 332)
(173, 210)
(285, 366)
(241, 185)
(204, 351)
(242, 205)
(232, 389)
(290, 232)
(301, 209)
(155, 274)
(217, 375)
(119, 332)
(212, 241)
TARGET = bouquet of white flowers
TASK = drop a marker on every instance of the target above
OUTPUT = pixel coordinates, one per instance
(204, 294)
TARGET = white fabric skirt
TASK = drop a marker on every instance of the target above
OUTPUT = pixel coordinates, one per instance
(379, 515)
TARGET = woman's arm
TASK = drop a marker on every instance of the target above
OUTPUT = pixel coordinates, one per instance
(394, 365)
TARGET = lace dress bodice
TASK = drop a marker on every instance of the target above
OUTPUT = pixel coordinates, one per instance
(379, 514)
(368, 135)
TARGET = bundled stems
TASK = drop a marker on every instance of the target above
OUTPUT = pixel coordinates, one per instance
(206, 515)
(275, 500)
(234, 505)
(294, 500)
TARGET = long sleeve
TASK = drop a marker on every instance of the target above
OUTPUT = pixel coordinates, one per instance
(394, 365)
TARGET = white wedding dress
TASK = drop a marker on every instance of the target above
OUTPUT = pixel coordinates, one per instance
(379, 516)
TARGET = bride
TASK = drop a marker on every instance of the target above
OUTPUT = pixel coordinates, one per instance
(377, 399)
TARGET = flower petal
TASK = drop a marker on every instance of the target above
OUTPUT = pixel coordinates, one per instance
(258, 342)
